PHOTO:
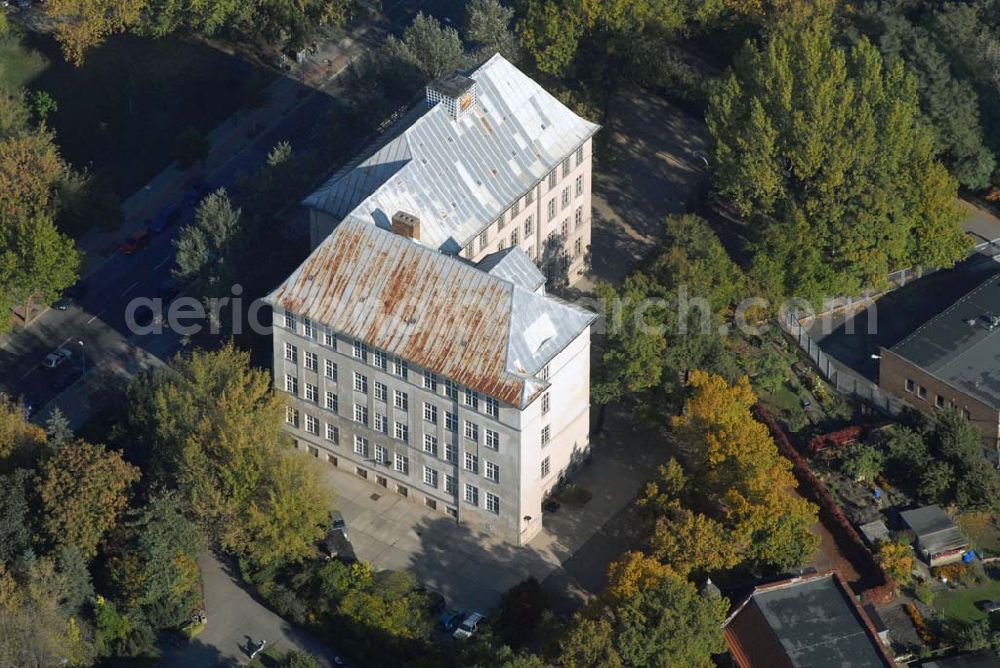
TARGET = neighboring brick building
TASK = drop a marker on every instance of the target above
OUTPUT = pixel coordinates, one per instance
(953, 362)
(490, 162)
(459, 385)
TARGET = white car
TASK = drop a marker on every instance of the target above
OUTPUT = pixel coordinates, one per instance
(468, 627)
(56, 359)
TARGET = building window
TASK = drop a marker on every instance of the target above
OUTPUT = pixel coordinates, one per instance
(553, 177)
(472, 399)
(492, 439)
(514, 238)
(331, 402)
(545, 403)
(579, 156)
(330, 369)
(312, 425)
(921, 392)
(551, 211)
(484, 239)
(361, 472)
(501, 244)
(307, 329)
(450, 421)
(939, 401)
(289, 321)
(329, 340)
(332, 433)
(360, 383)
(471, 431)
(546, 467)
(493, 503)
(471, 462)
(431, 445)
(430, 413)
(381, 455)
(400, 400)
(450, 485)
(578, 218)
(402, 464)
(546, 434)
(564, 228)
(361, 414)
(451, 453)
(360, 351)
(531, 252)
(402, 432)
(529, 198)
(291, 384)
(312, 361)
(565, 168)
(502, 220)
(910, 385)
(529, 225)
(471, 494)
(379, 359)
(515, 208)
(291, 353)
(544, 373)
(579, 185)
(381, 424)
(492, 472)
(430, 477)
(469, 250)
(381, 391)
(451, 389)
(430, 381)
(400, 368)
(565, 198)
(578, 248)
(312, 393)
(361, 445)
(492, 407)
(292, 416)
(966, 414)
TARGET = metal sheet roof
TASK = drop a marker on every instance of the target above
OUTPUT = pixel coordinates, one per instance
(514, 265)
(458, 176)
(434, 310)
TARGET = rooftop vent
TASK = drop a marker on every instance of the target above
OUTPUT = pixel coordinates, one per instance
(456, 92)
(406, 225)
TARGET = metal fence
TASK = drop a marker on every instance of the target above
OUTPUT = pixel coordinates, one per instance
(845, 379)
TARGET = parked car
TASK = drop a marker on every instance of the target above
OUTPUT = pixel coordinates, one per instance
(57, 358)
(337, 522)
(449, 619)
(468, 626)
(988, 606)
(63, 303)
(135, 242)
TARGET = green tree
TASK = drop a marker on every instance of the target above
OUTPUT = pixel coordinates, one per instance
(589, 643)
(432, 49)
(77, 585)
(83, 489)
(863, 462)
(57, 429)
(826, 151)
(15, 515)
(205, 249)
(488, 30)
(296, 659)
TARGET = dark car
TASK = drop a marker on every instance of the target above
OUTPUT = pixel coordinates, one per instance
(136, 242)
(449, 619)
(338, 523)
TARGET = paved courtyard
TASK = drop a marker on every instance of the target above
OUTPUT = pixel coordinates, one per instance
(473, 569)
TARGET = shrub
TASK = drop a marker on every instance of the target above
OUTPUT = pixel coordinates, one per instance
(924, 593)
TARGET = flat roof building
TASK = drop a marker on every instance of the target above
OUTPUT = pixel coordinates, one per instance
(938, 538)
(952, 362)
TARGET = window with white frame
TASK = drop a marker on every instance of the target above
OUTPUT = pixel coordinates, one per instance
(579, 155)
(312, 393)
(544, 373)
(565, 198)
(292, 416)
(291, 384)
(291, 353)
(529, 226)
(529, 198)
(514, 237)
(330, 369)
(308, 330)
(471, 462)
(430, 413)
(515, 208)
(530, 252)
(312, 361)
(578, 218)
(484, 239)
(360, 350)
(546, 467)
(493, 503)
(451, 389)
(545, 403)
(492, 407)
(546, 434)
(430, 477)
(492, 439)
(329, 340)
(450, 421)
(312, 424)
(502, 220)
(471, 431)
(430, 381)
(361, 445)
(451, 453)
(402, 432)
(553, 178)
(400, 367)
(381, 455)
(381, 391)
(331, 402)
(579, 185)
(402, 464)
(400, 400)
(431, 445)
(379, 359)
(578, 248)
(501, 244)
(564, 228)
(565, 168)
(381, 424)
(361, 414)
(471, 494)
(450, 484)
(472, 399)
(470, 250)
(290, 320)
(492, 471)
(551, 210)
(332, 433)
(360, 383)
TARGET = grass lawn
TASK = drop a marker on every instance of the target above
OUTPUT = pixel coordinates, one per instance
(19, 63)
(959, 605)
(120, 113)
(981, 530)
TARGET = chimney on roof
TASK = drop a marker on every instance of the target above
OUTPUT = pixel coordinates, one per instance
(406, 225)
(455, 91)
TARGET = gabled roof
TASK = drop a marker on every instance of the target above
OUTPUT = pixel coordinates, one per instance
(432, 309)
(458, 176)
(805, 621)
(513, 264)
